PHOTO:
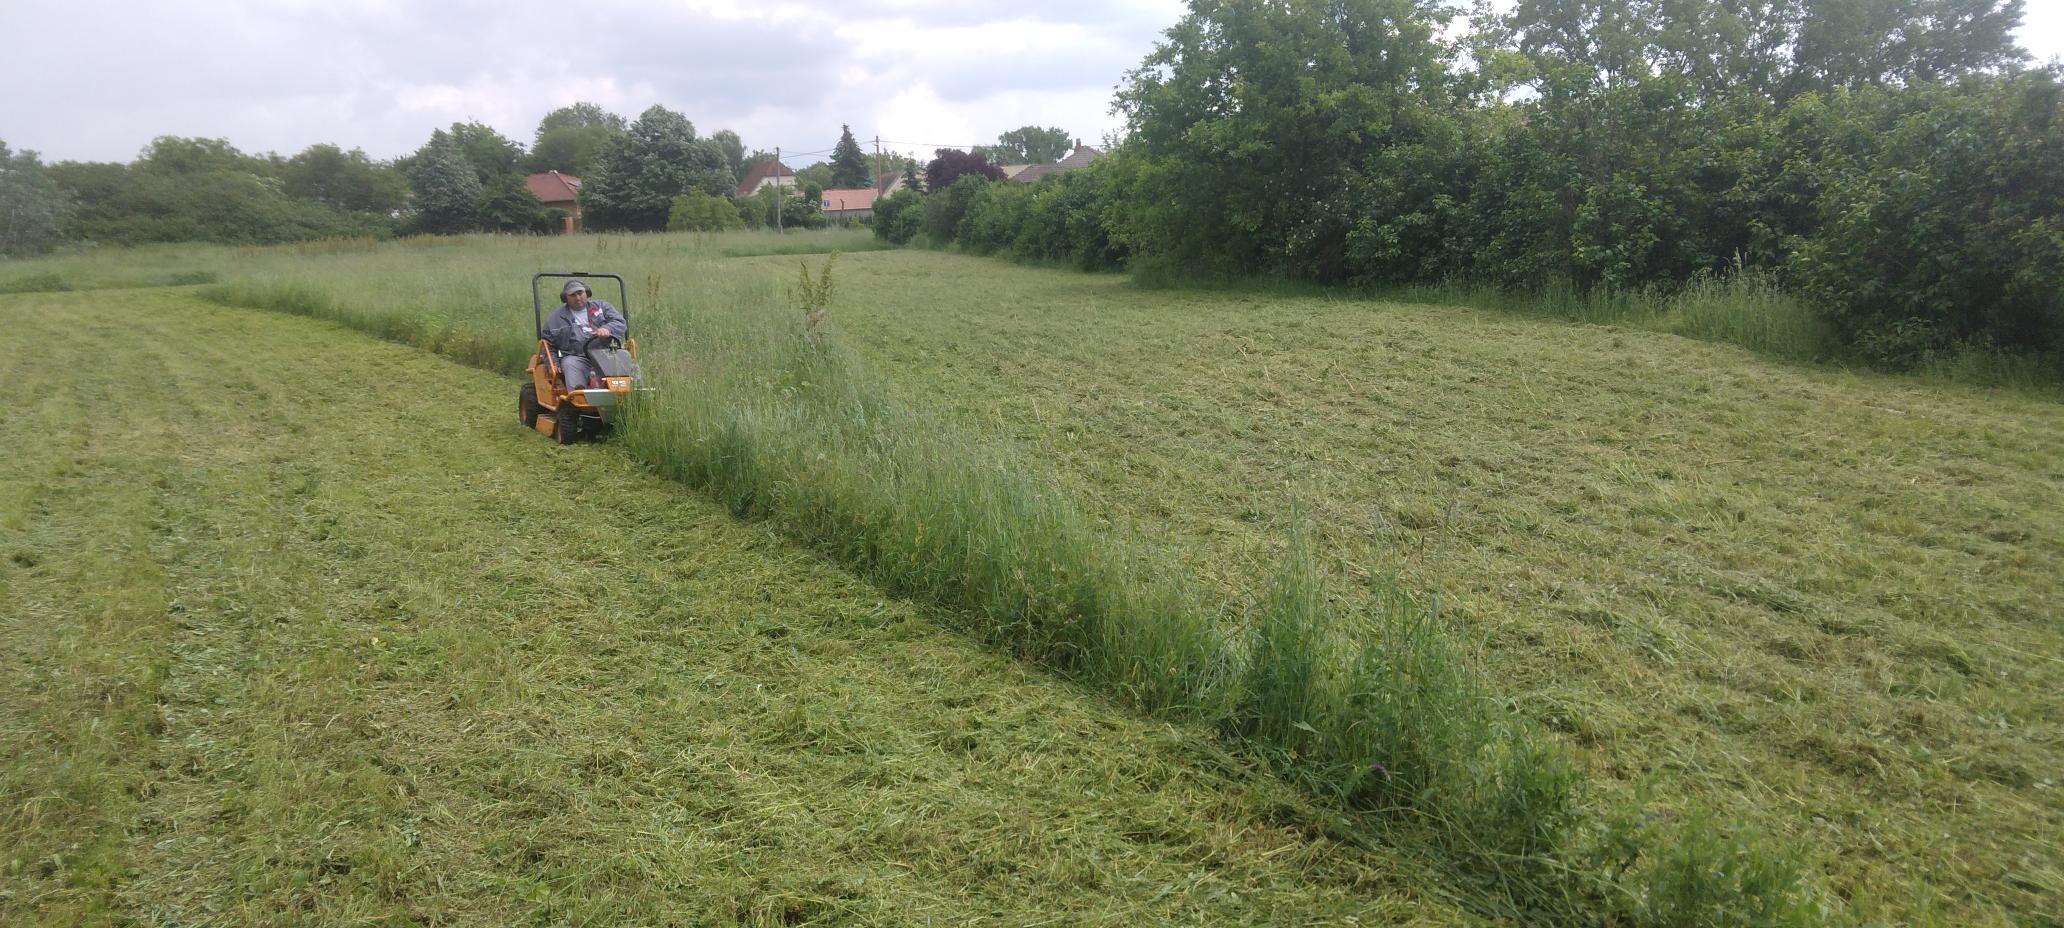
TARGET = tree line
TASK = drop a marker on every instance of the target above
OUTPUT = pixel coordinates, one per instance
(1895, 165)
(655, 172)
(465, 178)
(1892, 164)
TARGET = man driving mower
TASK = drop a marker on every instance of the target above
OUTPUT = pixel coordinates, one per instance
(576, 322)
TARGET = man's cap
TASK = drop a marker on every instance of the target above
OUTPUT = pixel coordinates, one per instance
(571, 286)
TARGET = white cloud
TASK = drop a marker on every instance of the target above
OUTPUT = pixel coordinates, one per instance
(101, 78)
(280, 75)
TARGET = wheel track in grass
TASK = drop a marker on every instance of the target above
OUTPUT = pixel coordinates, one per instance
(379, 689)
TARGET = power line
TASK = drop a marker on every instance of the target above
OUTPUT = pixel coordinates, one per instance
(934, 144)
(882, 141)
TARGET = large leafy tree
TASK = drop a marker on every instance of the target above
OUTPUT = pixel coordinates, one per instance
(447, 189)
(1849, 43)
(571, 139)
(176, 155)
(659, 159)
(506, 205)
(1252, 116)
(488, 153)
(1030, 145)
(1772, 48)
(570, 151)
(848, 164)
(734, 151)
(580, 116)
(816, 175)
(1641, 154)
(347, 180)
(32, 206)
(491, 154)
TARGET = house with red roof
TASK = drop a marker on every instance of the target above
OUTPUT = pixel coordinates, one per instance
(765, 174)
(558, 191)
(849, 204)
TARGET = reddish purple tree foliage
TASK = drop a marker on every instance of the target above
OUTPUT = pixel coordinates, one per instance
(951, 163)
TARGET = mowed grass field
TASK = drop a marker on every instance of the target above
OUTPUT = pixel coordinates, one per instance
(1826, 601)
(300, 627)
(1819, 602)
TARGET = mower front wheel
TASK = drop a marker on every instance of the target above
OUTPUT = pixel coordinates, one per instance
(566, 426)
(527, 407)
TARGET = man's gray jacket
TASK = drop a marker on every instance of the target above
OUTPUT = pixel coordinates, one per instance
(568, 331)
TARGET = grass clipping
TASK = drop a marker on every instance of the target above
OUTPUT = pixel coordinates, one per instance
(781, 424)
(769, 414)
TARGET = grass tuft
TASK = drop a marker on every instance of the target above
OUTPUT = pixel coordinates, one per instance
(1394, 721)
(1748, 309)
(1698, 872)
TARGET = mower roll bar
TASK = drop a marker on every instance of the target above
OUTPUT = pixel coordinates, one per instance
(537, 300)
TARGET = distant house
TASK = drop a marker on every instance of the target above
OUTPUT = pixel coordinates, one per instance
(558, 191)
(765, 174)
(849, 204)
(888, 183)
(1031, 173)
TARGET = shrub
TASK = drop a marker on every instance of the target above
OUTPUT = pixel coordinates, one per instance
(899, 217)
(1953, 233)
(696, 211)
(995, 214)
(945, 208)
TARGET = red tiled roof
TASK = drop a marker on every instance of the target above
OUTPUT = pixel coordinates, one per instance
(862, 198)
(761, 172)
(553, 187)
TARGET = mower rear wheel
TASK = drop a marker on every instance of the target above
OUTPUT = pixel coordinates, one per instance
(566, 427)
(527, 407)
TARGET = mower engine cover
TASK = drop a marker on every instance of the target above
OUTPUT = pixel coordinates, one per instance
(613, 362)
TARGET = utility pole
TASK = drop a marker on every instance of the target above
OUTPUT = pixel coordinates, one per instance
(877, 162)
(777, 189)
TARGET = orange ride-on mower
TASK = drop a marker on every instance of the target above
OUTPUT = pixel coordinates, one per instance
(570, 412)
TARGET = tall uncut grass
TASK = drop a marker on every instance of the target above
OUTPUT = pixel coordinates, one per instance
(102, 269)
(1744, 308)
(756, 403)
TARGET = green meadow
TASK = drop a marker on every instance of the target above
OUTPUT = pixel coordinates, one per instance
(280, 652)
(1481, 615)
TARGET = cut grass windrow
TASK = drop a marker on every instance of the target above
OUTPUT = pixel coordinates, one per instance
(757, 407)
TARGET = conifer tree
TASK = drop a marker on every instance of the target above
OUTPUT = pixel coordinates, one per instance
(848, 165)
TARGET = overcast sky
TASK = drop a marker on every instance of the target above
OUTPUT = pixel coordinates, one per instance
(98, 79)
